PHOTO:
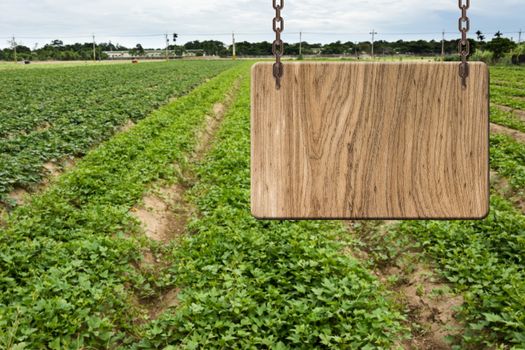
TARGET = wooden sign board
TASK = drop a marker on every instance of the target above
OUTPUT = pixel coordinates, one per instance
(370, 141)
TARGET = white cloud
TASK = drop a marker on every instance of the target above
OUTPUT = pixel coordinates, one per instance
(118, 20)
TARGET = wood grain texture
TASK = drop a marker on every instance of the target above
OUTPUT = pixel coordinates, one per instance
(370, 140)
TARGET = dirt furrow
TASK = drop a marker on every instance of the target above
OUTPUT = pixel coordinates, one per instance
(519, 113)
(424, 296)
(503, 130)
(501, 185)
(164, 212)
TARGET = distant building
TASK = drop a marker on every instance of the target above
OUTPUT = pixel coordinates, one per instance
(194, 53)
(118, 55)
(151, 54)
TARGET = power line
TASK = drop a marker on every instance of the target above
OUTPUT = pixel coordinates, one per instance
(225, 34)
(137, 35)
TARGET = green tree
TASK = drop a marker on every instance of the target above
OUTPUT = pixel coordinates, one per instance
(138, 50)
(57, 43)
(500, 46)
(480, 36)
(338, 48)
(210, 47)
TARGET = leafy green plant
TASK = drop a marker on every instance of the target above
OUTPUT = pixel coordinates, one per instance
(67, 274)
(507, 156)
(260, 284)
(507, 119)
(483, 260)
(47, 114)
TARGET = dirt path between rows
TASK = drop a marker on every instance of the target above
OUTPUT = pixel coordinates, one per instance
(503, 130)
(427, 299)
(517, 112)
(51, 170)
(164, 212)
(501, 185)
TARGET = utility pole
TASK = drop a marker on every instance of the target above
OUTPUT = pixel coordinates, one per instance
(13, 42)
(94, 49)
(300, 44)
(443, 46)
(234, 53)
(167, 47)
(519, 36)
(373, 33)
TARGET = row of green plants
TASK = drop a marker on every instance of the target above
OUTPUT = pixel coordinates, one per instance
(251, 284)
(502, 98)
(502, 75)
(507, 87)
(69, 260)
(47, 114)
(484, 261)
(506, 118)
(68, 276)
(507, 156)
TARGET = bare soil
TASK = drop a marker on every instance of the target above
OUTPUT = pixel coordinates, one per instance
(126, 127)
(502, 186)
(165, 212)
(518, 112)
(52, 169)
(433, 313)
(426, 298)
(503, 130)
(166, 301)
(19, 195)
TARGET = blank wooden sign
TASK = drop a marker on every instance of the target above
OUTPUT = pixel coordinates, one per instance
(370, 140)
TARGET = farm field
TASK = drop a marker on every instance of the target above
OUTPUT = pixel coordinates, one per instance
(47, 115)
(55, 64)
(147, 242)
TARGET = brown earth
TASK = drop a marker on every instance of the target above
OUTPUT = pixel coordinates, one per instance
(503, 130)
(519, 113)
(165, 212)
(425, 297)
(501, 185)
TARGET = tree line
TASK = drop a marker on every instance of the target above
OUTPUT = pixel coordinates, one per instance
(496, 48)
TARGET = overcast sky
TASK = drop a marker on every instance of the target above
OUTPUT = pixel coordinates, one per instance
(131, 21)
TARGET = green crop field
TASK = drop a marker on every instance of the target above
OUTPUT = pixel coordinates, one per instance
(147, 241)
(48, 114)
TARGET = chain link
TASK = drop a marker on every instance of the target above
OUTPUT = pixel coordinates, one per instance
(464, 44)
(278, 44)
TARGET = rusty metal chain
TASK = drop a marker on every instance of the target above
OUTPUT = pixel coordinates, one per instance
(278, 44)
(464, 44)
